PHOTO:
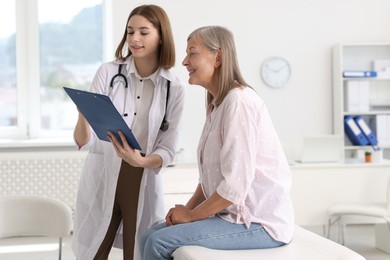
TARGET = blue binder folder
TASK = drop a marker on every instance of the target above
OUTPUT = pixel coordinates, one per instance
(353, 131)
(102, 115)
(370, 136)
(359, 74)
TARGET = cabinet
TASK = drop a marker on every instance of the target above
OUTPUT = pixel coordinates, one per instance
(314, 188)
(375, 105)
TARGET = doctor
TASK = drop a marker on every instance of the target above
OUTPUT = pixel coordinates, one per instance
(120, 193)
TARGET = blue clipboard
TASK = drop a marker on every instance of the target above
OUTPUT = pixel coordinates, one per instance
(102, 115)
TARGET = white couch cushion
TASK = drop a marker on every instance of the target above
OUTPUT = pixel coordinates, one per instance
(305, 245)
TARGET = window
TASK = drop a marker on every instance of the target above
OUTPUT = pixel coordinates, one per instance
(56, 43)
(8, 103)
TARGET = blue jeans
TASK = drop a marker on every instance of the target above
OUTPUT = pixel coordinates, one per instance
(160, 241)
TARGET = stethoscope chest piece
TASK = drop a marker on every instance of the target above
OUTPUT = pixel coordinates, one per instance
(164, 126)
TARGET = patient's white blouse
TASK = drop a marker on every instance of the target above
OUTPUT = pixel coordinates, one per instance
(240, 157)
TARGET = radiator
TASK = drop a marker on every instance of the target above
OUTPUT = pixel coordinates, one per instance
(50, 174)
(56, 175)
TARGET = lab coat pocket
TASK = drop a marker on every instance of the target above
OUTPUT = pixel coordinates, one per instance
(92, 175)
(89, 209)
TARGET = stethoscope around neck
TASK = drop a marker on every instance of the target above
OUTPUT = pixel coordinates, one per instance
(164, 124)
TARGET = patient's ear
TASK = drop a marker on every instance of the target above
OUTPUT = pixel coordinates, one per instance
(218, 58)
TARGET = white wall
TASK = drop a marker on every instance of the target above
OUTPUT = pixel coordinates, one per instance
(303, 31)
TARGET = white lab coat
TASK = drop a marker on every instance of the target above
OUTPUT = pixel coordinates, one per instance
(99, 175)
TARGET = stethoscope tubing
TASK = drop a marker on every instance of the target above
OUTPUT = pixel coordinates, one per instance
(164, 124)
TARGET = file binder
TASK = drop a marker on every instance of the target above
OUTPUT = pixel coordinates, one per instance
(102, 115)
(356, 96)
(353, 131)
(359, 73)
(381, 127)
(372, 140)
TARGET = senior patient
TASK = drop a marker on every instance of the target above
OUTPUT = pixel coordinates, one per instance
(242, 200)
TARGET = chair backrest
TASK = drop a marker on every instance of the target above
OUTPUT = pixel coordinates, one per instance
(34, 216)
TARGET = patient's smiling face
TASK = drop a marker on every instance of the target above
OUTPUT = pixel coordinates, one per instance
(201, 64)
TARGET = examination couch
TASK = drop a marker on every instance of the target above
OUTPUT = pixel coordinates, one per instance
(305, 245)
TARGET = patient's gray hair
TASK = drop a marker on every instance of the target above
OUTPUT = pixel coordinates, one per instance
(219, 38)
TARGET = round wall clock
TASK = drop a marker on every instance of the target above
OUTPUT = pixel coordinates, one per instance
(276, 72)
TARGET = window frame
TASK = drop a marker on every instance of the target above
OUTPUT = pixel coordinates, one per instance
(28, 131)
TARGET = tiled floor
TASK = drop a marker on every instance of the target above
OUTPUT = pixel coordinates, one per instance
(360, 238)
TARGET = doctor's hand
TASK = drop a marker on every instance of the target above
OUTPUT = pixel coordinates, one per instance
(128, 154)
(178, 215)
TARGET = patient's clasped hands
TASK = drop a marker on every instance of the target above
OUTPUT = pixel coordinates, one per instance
(178, 215)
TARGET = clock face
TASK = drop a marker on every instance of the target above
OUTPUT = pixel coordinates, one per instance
(276, 72)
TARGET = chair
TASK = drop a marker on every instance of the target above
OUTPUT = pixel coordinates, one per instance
(22, 216)
(336, 212)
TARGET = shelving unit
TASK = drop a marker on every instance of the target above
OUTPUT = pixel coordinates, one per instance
(360, 57)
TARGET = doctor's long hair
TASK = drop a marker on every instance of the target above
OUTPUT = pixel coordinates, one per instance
(218, 38)
(158, 17)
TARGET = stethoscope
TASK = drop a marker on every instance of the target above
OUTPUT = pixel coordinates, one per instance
(164, 124)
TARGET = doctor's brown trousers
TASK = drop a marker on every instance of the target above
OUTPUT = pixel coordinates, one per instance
(125, 208)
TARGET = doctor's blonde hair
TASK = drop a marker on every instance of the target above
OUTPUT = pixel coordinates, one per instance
(218, 38)
(158, 17)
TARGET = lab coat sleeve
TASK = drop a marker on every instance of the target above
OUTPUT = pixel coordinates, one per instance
(168, 141)
(101, 79)
(88, 145)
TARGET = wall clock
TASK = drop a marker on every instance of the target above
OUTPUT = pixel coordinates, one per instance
(276, 72)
